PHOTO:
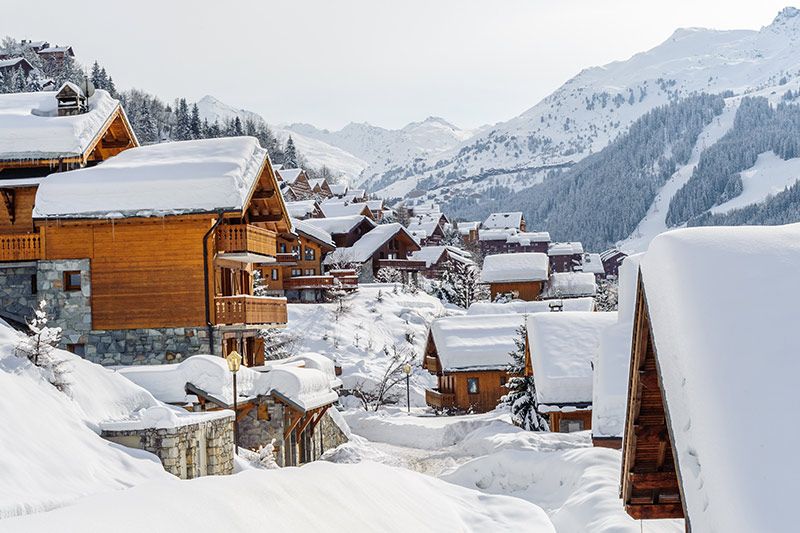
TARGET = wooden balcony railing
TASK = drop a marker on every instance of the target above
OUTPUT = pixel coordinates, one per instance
(286, 257)
(21, 247)
(402, 264)
(308, 282)
(245, 309)
(347, 277)
(439, 400)
(233, 238)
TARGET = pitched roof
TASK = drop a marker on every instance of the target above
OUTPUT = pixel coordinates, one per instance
(161, 179)
(339, 225)
(289, 175)
(432, 254)
(565, 248)
(301, 208)
(503, 220)
(570, 285)
(14, 61)
(525, 238)
(592, 263)
(369, 243)
(313, 232)
(721, 305)
(529, 266)
(341, 209)
(465, 227)
(30, 127)
(480, 342)
(338, 189)
(562, 348)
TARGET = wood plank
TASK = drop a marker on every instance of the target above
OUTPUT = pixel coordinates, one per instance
(655, 511)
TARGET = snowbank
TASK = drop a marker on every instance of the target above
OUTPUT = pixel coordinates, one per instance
(320, 496)
(523, 308)
(160, 179)
(570, 285)
(529, 266)
(721, 303)
(476, 342)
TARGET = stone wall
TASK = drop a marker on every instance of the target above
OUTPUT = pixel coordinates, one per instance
(69, 310)
(188, 451)
(17, 285)
(256, 431)
(149, 346)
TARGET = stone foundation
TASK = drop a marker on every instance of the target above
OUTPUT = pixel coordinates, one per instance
(18, 286)
(148, 346)
(188, 451)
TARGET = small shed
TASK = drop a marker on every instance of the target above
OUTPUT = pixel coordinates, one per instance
(519, 275)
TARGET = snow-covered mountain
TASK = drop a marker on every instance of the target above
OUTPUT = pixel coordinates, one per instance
(594, 107)
(317, 152)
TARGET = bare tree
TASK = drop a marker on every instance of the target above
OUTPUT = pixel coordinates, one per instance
(383, 393)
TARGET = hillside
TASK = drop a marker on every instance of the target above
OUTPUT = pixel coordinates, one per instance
(600, 103)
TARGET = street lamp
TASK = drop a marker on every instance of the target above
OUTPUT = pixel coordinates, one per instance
(407, 371)
(234, 362)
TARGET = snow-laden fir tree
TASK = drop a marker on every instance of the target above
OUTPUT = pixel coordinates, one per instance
(389, 275)
(194, 123)
(290, 154)
(460, 283)
(521, 397)
(39, 347)
(607, 295)
(259, 284)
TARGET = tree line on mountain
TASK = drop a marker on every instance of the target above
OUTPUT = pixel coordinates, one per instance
(602, 198)
(757, 128)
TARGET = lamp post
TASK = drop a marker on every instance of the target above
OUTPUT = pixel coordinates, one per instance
(234, 362)
(407, 371)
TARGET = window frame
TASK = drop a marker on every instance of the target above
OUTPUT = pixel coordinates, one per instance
(68, 285)
(476, 382)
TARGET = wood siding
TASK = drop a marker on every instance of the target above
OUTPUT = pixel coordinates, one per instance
(557, 417)
(21, 199)
(490, 389)
(528, 291)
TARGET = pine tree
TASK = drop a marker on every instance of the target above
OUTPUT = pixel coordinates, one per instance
(39, 348)
(521, 397)
(183, 130)
(259, 283)
(97, 80)
(194, 123)
(145, 126)
(290, 154)
(35, 82)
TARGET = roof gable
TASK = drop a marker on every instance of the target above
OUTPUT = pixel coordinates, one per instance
(482, 342)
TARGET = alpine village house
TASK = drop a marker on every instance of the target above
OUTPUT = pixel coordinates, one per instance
(147, 258)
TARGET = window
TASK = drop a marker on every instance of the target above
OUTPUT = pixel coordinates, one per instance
(72, 280)
(309, 254)
(296, 250)
(308, 272)
(77, 349)
(296, 272)
(472, 385)
(568, 426)
(274, 273)
(392, 255)
(502, 381)
(34, 284)
(283, 247)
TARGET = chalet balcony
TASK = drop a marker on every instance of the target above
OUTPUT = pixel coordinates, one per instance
(431, 363)
(246, 243)
(308, 282)
(439, 400)
(245, 309)
(348, 278)
(286, 258)
(402, 264)
(21, 247)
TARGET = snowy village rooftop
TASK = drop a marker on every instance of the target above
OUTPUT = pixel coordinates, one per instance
(338, 225)
(525, 238)
(565, 248)
(301, 208)
(368, 244)
(610, 387)
(342, 209)
(30, 127)
(529, 266)
(503, 220)
(313, 232)
(479, 342)
(570, 285)
(526, 308)
(727, 355)
(431, 254)
(562, 347)
(161, 179)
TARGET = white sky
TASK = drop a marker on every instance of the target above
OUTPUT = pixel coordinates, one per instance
(329, 62)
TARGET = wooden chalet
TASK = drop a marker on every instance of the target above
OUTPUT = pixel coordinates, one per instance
(385, 246)
(565, 256)
(592, 264)
(154, 274)
(345, 231)
(8, 66)
(559, 352)
(612, 259)
(295, 184)
(468, 231)
(505, 221)
(426, 233)
(338, 208)
(440, 258)
(56, 54)
(503, 241)
(517, 276)
(469, 355)
(320, 188)
(378, 209)
(707, 360)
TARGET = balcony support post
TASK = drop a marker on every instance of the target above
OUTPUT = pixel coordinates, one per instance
(206, 277)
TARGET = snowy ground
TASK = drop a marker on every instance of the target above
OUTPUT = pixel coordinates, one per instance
(574, 483)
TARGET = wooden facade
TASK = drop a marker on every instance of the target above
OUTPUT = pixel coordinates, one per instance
(650, 485)
(395, 252)
(521, 290)
(299, 268)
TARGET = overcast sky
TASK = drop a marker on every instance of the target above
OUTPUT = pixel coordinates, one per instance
(329, 62)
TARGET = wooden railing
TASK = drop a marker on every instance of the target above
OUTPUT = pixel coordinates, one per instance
(246, 238)
(286, 257)
(347, 278)
(21, 247)
(308, 282)
(250, 310)
(439, 400)
(402, 264)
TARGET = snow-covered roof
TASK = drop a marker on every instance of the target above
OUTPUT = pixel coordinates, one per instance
(592, 263)
(610, 387)
(432, 254)
(529, 266)
(316, 182)
(368, 244)
(492, 308)
(355, 194)
(465, 227)
(289, 175)
(427, 227)
(338, 189)
(611, 252)
(301, 208)
(480, 342)
(342, 209)
(419, 235)
(525, 238)
(565, 248)
(30, 127)
(504, 220)
(338, 225)
(307, 387)
(160, 179)
(6, 63)
(55, 49)
(495, 234)
(562, 347)
(313, 232)
(375, 205)
(721, 304)
(570, 285)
